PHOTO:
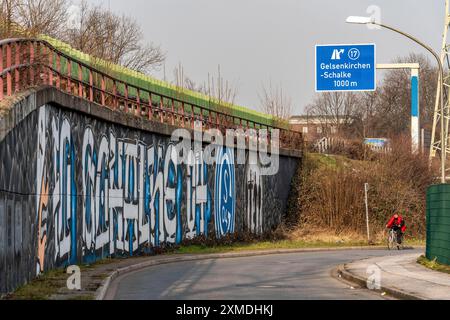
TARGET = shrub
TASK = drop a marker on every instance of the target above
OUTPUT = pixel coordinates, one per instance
(332, 196)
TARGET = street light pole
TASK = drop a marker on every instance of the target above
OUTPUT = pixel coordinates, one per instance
(368, 20)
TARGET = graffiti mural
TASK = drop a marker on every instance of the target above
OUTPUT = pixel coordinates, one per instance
(225, 192)
(96, 189)
(131, 194)
(42, 192)
(254, 195)
(198, 196)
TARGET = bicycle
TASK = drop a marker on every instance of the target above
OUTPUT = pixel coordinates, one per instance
(393, 240)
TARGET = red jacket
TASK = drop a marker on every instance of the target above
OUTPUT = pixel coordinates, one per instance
(398, 222)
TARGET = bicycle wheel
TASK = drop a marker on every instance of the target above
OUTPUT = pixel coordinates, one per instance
(391, 239)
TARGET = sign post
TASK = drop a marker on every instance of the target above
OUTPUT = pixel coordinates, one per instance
(366, 189)
(345, 67)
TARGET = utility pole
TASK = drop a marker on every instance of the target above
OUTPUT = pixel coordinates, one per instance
(441, 114)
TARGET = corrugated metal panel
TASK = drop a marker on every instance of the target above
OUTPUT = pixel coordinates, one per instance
(438, 223)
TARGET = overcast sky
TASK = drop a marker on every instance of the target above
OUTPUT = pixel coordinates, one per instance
(257, 41)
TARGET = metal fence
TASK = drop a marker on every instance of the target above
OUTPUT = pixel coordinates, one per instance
(332, 144)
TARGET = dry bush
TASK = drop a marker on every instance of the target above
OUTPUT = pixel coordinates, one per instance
(332, 196)
(317, 234)
(350, 148)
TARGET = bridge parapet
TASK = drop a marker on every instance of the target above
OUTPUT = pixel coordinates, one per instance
(26, 63)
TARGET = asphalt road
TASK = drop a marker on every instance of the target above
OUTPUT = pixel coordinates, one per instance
(299, 276)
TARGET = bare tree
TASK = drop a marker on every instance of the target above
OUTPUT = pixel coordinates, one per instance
(191, 85)
(427, 85)
(117, 39)
(363, 124)
(42, 16)
(217, 88)
(146, 58)
(7, 14)
(393, 110)
(183, 81)
(96, 31)
(221, 89)
(275, 102)
(335, 109)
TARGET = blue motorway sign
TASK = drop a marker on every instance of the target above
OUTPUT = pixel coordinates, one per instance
(345, 67)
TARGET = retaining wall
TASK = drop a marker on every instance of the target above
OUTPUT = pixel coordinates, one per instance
(79, 183)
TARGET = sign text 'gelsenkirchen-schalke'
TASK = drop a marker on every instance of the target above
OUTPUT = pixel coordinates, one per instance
(345, 67)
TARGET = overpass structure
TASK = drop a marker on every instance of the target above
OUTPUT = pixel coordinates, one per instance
(88, 169)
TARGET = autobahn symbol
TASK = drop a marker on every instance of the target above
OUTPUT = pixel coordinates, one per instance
(345, 67)
(354, 54)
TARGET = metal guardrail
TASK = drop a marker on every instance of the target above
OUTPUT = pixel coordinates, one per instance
(26, 63)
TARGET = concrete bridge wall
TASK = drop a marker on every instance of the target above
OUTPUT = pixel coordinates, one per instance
(79, 183)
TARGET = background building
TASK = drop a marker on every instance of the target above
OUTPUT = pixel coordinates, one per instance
(316, 127)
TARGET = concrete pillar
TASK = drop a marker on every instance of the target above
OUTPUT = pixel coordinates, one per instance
(415, 131)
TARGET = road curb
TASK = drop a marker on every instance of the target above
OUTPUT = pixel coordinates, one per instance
(362, 282)
(104, 286)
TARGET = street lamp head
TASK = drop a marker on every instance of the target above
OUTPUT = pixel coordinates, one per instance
(359, 20)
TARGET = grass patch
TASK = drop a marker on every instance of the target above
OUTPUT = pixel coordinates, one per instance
(50, 282)
(414, 242)
(281, 244)
(104, 261)
(331, 161)
(264, 245)
(433, 264)
(42, 287)
(322, 160)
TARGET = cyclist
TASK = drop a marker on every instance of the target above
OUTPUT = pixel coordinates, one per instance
(397, 223)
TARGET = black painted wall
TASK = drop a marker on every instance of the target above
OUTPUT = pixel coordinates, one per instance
(75, 188)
